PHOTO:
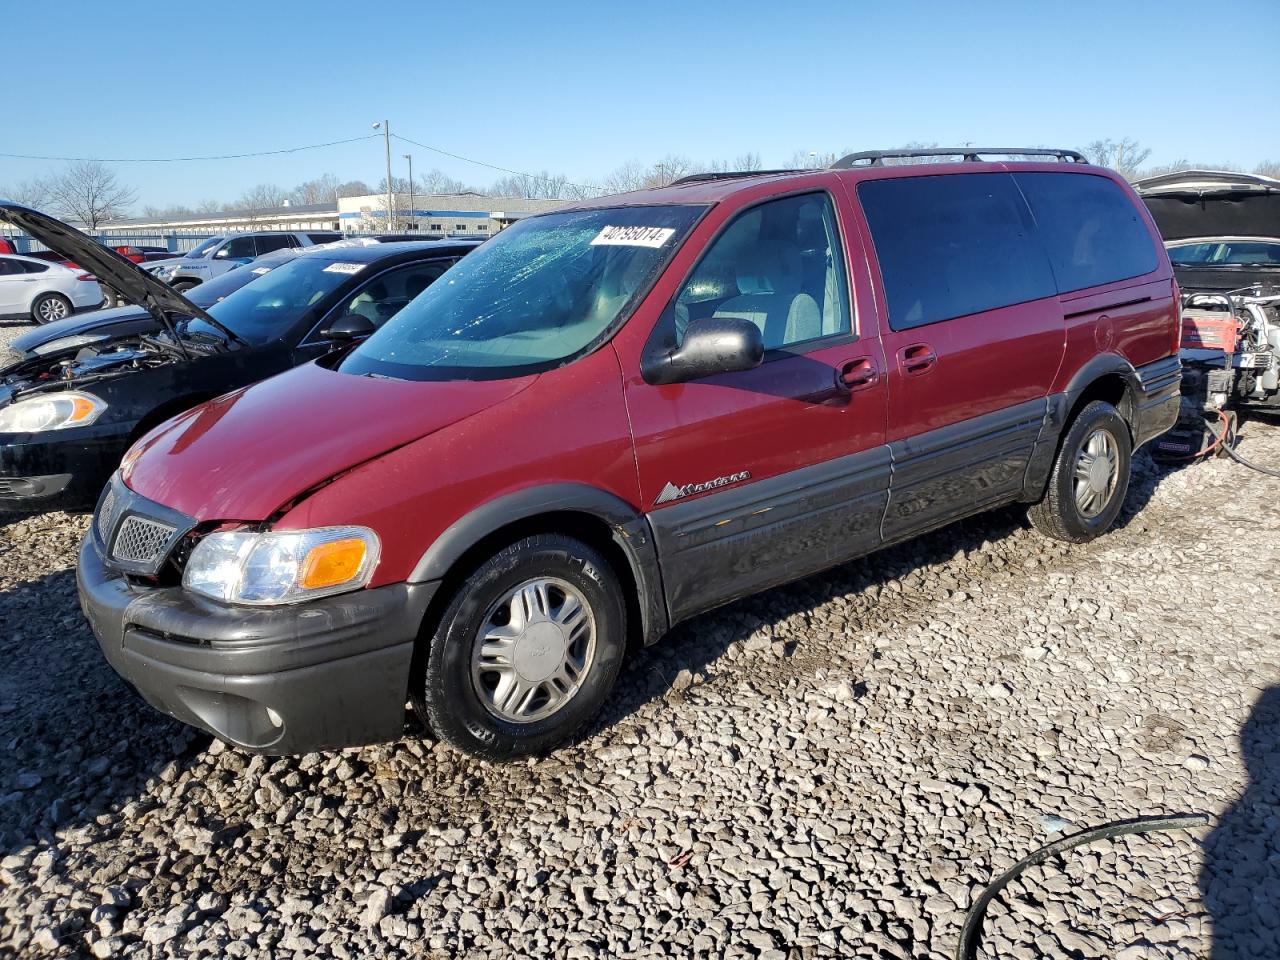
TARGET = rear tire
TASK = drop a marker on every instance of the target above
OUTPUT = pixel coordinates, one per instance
(526, 652)
(49, 307)
(1090, 477)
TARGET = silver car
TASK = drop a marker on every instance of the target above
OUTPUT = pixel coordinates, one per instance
(217, 255)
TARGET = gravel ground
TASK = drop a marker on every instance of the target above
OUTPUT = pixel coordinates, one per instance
(835, 768)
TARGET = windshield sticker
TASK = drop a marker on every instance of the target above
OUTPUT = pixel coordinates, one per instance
(633, 236)
(344, 268)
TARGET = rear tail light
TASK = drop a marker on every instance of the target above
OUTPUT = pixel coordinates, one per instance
(86, 277)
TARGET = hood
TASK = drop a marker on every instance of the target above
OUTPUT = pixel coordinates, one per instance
(247, 454)
(1204, 203)
(123, 276)
(107, 324)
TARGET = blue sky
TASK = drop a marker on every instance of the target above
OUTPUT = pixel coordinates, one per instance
(580, 88)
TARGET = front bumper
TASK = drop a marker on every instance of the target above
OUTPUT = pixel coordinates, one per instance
(61, 472)
(320, 675)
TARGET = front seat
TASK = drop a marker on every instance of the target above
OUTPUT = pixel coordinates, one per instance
(771, 298)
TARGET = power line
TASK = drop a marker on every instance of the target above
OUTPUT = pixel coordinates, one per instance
(493, 166)
(225, 156)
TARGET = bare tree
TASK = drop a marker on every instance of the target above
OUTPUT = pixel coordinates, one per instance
(208, 206)
(437, 182)
(543, 186)
(265, 196)
(668, 170)
(89, 192)
(323, 189)
(30, 193)
(398, 185)
(1268, 168)
(353, 188)
(1125, 156)
(630, 176)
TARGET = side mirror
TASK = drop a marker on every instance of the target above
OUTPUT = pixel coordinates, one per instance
(349, 326)
(710, 346)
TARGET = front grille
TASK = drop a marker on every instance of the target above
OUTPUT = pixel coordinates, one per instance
(140, 540)
(106, 516)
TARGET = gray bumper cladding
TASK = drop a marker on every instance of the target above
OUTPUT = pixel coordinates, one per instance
(312, 676)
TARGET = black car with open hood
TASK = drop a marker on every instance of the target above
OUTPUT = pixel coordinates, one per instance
(1222, 229)
(72, 400)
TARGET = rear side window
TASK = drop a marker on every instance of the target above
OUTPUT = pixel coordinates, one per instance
(269, 242)
(950, 246)
(1090, 228)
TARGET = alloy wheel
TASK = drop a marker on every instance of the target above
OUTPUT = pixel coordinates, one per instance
(1097, 471)
(533, 650)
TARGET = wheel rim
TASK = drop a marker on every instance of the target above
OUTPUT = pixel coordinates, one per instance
(51, 309)
(533, 650)
(1097, 473)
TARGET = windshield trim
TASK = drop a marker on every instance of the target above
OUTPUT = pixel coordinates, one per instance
(423, 373)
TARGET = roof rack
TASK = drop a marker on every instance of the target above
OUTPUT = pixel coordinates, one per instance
(876, 158)
(728, 175)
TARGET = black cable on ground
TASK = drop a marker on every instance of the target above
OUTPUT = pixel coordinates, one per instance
(971, 935)
(1239, 458)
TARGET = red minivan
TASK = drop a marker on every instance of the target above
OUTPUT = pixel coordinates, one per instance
(615, 416)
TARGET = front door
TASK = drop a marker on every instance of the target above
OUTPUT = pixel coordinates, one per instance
(758, 477)
(973, 339)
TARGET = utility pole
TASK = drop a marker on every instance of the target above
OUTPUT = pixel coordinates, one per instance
(385, 125)
(412, 216)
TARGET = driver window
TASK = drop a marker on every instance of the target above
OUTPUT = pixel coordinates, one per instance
(385, 295)
(780, 266)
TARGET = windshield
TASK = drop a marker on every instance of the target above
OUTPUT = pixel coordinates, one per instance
(1227, 253)
(202, 249)
(222, 286)
(269, 304)
(534, 295)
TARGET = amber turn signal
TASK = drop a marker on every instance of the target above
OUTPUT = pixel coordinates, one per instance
(331, 564)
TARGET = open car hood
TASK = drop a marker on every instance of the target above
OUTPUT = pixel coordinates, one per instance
(1207, 203)
(126, 278)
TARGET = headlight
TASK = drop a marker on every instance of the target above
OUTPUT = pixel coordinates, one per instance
(54, 411)
(66, 343)
(284, 567)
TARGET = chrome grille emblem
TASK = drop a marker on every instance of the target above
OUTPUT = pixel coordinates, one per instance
(141, 540)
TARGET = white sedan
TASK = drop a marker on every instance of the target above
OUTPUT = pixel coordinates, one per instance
(44, 291)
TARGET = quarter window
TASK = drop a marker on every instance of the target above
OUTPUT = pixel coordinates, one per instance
(950, 246)
(1092, 231)
(779, 265)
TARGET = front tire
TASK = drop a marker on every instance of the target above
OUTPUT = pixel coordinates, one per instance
(49, 307)
(1090, 477)
(526, 651)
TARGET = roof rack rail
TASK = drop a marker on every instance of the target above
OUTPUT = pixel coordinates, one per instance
(728, 175)
(876, 158)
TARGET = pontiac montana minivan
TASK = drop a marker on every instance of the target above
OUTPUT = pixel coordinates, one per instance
(617, 415)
